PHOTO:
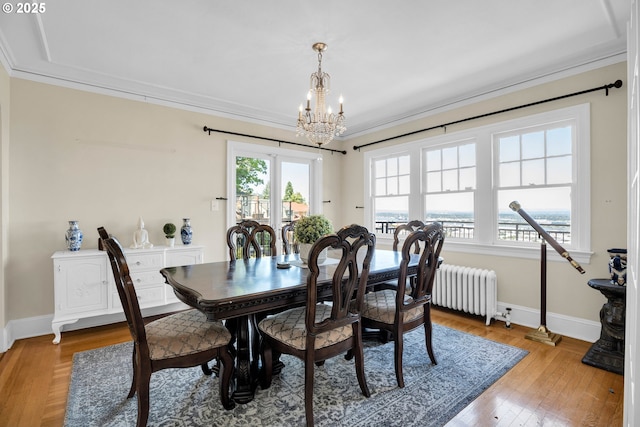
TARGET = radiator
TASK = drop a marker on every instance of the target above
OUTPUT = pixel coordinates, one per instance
(472, 290)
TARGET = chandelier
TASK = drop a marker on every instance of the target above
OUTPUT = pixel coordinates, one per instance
(321, 125)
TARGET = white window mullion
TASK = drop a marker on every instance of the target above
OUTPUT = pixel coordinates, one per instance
(485, 207)
(416, 207)
(276, 195)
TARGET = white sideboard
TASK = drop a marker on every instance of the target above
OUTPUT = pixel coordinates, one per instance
(84, 285)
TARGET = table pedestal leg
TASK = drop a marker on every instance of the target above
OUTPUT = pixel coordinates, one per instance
(246, 343)
(246, 362)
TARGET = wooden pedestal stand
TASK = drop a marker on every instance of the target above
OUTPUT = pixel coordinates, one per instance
(543, 334)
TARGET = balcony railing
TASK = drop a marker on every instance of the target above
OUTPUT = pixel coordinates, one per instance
(522, 232)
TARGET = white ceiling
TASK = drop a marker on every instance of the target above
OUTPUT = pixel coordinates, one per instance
(251, 59)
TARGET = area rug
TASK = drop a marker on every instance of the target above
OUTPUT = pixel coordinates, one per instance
(433, 394)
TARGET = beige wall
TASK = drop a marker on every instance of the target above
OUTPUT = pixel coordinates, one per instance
(105, 161)
(519, 279)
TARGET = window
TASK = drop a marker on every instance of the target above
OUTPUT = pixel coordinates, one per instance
(295, 190)
(467, 181)
(535, 168)
(450, 183)
(391, 188)
(271, 185)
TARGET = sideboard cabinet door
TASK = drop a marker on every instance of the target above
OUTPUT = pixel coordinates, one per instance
(81, 287)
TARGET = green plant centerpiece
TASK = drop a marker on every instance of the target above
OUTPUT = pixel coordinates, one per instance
(309, 229)
(170, 233)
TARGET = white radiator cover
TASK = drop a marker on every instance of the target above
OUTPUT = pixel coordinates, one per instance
(472, 290)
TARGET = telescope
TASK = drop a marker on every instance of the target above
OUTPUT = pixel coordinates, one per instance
(515, 206)
(543, 334)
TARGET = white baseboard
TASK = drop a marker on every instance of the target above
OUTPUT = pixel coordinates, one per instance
(573, 327)
(41, 325)
(4, 339)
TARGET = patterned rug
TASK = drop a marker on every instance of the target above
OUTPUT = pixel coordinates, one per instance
(433, 394)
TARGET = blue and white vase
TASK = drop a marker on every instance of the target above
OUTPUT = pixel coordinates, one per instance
(73, 236)
(186, 232)
(618, 266)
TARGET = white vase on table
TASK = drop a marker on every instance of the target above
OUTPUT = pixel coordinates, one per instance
(305, 250)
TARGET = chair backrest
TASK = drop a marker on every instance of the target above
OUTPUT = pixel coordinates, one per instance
(349, 278)
(432, 238)
(289, 244)
(262, 238)
(405, 229)
(251, 239)
(126, 290)
(238, 242)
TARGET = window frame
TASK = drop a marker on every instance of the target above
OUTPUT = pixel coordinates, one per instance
(374, 197)
(485, 239)
(441, 144)
(276, 156)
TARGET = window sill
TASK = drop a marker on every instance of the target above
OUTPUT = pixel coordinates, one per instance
(527, 252)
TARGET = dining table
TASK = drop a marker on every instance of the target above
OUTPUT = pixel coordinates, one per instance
(243, 292)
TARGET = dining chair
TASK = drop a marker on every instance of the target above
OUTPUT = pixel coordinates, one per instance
(289, 244)
(262, 238)
(317, 331)
(250, 239)
(238, 242)
(181, 340)
(402, 230)
(405, 308)
(399, 234)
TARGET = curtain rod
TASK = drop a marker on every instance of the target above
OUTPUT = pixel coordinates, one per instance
(208, 129)
(617, 84)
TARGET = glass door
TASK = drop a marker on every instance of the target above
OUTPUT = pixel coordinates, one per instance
(294, 183)
(253, 189)
(272, 185)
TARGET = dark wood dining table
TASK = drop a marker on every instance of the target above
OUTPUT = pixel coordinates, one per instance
(244, 291)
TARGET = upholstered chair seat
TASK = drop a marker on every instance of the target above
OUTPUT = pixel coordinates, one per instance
(289, 328)
(381, 307)
(184, 333)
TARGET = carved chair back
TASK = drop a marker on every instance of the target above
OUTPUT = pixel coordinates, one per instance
(430, 238)
(403, 230)
(251, 239)
(289, 243)
(126, 289)
(348, 280)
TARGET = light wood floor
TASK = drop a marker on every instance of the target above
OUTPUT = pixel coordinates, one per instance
(549, 387)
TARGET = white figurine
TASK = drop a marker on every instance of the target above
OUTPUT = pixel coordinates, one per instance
(141, 237)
